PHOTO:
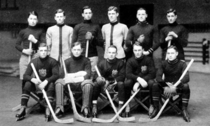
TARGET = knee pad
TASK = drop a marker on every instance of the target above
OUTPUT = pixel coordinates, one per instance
(87, 82)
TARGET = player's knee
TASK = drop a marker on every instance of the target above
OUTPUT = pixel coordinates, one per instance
(88, 83)
(128, 83)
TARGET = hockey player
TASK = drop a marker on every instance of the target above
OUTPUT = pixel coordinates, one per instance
(172, 68)
(174, 33)
(77, 63)
(140, 73)
(114, 33)
(112, 72)
(47, 69)
(28, 41)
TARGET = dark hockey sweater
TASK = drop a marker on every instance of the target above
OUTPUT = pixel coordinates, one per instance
(179, 42)
(172, 71)
(46, 68)
(142, 67)
(23, 42)
(106, 67)
(75, 64)
(79, 33)
(150, 33)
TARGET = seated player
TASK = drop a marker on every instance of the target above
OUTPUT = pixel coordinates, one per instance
(172, 68)
(47, 69)
(76, 63)
(112, 72)
(140, 72)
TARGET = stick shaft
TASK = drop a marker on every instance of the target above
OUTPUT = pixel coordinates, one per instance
(87, 48)
(30, 47)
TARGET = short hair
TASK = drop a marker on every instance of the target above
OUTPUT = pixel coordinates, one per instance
(137, 44)
(141, 8)
(113, 8)
(60, 11)
(171, 10)
(76, 44)
(42, 44)
(172, 47)
(86, 7)
(112, 46)
(33, 13)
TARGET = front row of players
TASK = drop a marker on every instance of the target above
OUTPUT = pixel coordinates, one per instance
(138, 72)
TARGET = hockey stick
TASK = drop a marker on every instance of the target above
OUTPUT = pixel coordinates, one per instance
(77, 116)
(48, 103)
(118, 113)
(166, 102)
(87, 48)
(113, 106)
(169, 44)
(30, 47)
(129, 119)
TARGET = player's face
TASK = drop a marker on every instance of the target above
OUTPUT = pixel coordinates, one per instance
(141, 15)
(87, 14)
(171, 54)
(43, 52)
(32, 20)
(112, 16)
(77, 50)
(171, 17)
(111, 54)
(138, 51)
(60, 18)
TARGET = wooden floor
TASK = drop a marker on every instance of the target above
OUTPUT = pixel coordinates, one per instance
(199, 107)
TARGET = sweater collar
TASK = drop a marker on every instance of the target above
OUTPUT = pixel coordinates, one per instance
(140, 58)
(77, 58)
(43, 59)
(173, 61)
(174, 24)
(87, 21)
(32, 27)
(111, 61)
(114, 23)
(142, 23)
(60, 25)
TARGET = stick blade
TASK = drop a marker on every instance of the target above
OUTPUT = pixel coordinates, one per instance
(64, 121)
(81, 118)
(97, 120)
(129, 119)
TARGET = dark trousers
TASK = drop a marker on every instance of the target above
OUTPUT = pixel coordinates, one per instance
(30, 87)
(98, 88)
(129, 83)
(182, 89)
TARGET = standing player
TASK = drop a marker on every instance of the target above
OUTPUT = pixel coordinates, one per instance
(47, 69)
(114, 33)
(144, 33)
(58, 39)
(172, 68)
(28, 41)
(112, 72)
(140, 73)
(88, 31)
(77, 63)
(175, 33)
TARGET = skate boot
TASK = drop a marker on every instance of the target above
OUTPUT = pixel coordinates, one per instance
(21, 114)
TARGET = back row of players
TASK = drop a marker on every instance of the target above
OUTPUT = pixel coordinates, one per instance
(127, 60)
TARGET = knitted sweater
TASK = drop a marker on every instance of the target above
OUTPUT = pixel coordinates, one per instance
(23, 42)
(75, 64)
(53, 40)
(106, 67)
(79, 33)
(46, 68)
(172, 71)
(150, 33)
(142, 67)
(179, 42)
